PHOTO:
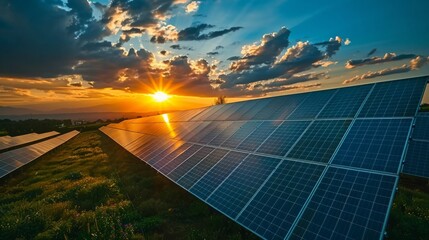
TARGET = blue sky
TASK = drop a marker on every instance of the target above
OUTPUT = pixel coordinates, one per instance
(207, 48)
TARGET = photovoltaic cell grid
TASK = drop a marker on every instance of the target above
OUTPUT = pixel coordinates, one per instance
(14, 159)
(9, 142)
(417, 158)
(330, 158)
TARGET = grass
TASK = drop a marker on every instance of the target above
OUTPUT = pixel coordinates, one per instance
(91, 188)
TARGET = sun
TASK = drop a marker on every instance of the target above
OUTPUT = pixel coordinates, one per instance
(160, 96)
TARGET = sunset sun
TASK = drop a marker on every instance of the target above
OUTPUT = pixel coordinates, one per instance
(160, 96)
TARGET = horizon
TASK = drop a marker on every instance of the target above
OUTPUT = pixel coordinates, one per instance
(116, 54)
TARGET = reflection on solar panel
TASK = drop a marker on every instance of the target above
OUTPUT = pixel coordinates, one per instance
(313, 165)
(14, 159)
(9, 142)
(417, 158)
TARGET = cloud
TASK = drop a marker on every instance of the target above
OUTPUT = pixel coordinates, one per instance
(266, 51)
(212, 53)
(272, 65)
(234, 58)
(179, 47)
(163, 52)
(388, 57)
(414, 64)
(347, 42)
(195, 33)
(219, 47)
(372, 52)
(192, 7)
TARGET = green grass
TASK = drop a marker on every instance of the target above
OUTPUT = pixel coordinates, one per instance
(91, 188)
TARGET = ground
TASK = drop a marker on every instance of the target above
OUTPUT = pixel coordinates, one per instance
(91, 188)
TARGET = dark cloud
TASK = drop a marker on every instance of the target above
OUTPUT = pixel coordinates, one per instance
(414, 64)
(212, 53)
(265, 53)
(234, 58)
(219, 47)
(332, 46)
(179, 47)
(199, 15)
(195, 33)
(76, 84)
(157, 39)
(163, 52)
(372, 52)
(263, 65)
(388, 57)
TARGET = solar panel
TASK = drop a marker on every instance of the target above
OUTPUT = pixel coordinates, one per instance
(374, 144)
(214, 177)
(312, 105)
(347, 204)
(11, 142)
(240, 134)
(283, 138)
(233, 194)
(252, 142)
(417, 159)
(345, 102)
(421, 129)
(322, 164)
(320, 140)
(201, 168)
(14, 159)
(395, 98)
(275, 207)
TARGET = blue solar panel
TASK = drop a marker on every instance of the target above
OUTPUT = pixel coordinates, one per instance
(226, 133)
(394, 99)
(312, 105)
(261, 104)
(170, 156)
(221, 126)
(203, 132)
(241, 134)
(175, 145)
(208, 183)
(233, 194)
(173, 163)
(252, 142)
(347, 204)
(320, 140)
(417, 159)
(202, 168)
(421, 129)
(283, 138)
(280, 107)
(376, 144)
(187, 164)
(346, 102)
(274, 209)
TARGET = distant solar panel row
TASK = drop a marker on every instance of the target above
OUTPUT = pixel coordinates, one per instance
(9, 142)
(14, 159)
(297, 168)
(417, 158)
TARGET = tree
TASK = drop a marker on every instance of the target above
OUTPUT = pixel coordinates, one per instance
(220, 100)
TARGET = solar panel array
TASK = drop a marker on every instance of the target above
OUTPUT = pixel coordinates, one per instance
(417, 158)
(9, 142)
(321, 165)
(14, 159)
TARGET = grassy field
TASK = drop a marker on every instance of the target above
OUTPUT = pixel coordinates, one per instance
(91, 188)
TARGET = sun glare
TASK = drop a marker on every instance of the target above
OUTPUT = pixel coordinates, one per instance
(160, 96)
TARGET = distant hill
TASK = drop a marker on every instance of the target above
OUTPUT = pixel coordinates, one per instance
(16, 111)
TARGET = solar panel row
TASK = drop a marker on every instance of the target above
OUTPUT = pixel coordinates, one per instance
(292, 171)
(14, 159)
(9, 142)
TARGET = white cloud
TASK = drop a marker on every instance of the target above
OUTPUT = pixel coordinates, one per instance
(192, 7)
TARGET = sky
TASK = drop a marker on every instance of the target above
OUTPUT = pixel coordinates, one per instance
(57, 54)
